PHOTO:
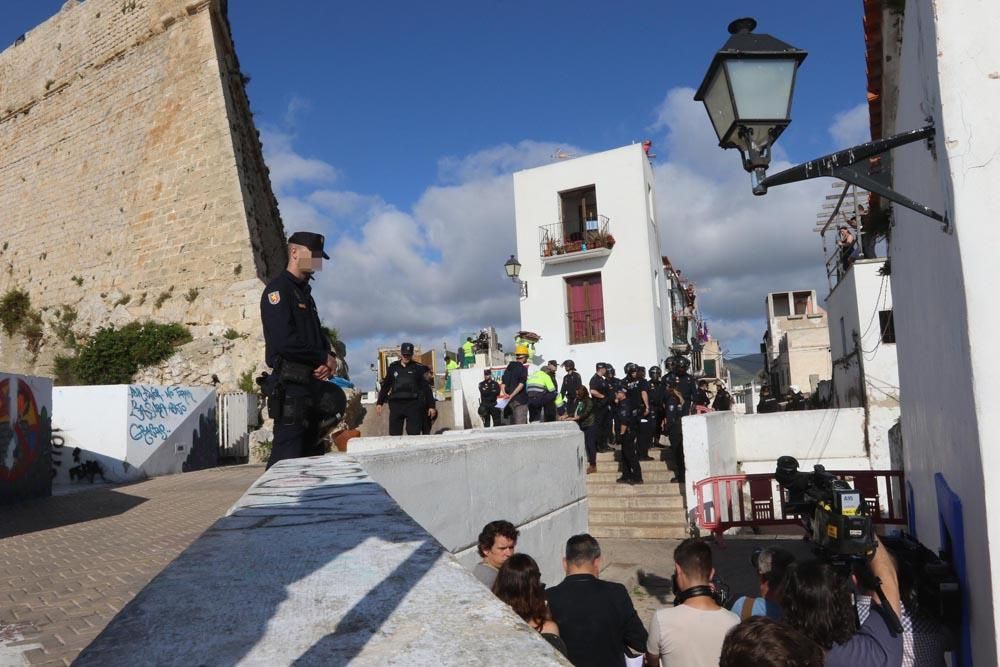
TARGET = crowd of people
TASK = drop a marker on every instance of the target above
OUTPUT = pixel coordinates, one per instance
(633, 411)
(809, 613)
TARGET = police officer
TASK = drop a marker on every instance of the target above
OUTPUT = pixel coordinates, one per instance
(675, 410)
(489, 390)
(628, 420)
(686, 384)
(571, 382)
(600, 394)
(767, 403)
(297, 350)
(430, 403)
(404, 387)
(614, 421)
(701, 397)
(637, 394)
(723, 399)
(657, 397)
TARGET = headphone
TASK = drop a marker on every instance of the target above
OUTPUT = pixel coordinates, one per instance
(693, 592)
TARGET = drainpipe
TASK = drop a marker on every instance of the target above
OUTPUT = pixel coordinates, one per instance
(858, 350)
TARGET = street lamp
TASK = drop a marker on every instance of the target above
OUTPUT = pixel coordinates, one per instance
(513, 269)
(748, 95)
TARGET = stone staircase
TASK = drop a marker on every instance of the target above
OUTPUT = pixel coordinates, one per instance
(652, 510)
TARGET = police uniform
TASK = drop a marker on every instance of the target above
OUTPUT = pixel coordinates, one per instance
(688, 388)
(657, 399)
(628, 419)
(676, 408)
(294, 345)
(404, 389)
(571, 382)
(635, 387)
(489, 390)
(599, 383)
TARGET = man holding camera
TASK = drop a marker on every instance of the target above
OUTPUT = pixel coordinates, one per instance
(691, 633)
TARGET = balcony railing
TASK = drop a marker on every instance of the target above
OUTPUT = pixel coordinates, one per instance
(555, 242)
(586, 326)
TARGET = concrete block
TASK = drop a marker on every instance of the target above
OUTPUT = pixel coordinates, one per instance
(316, 564)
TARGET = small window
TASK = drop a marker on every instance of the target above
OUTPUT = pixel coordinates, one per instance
(803, 303)
(709, 368)
(886, 326)
(780, 302)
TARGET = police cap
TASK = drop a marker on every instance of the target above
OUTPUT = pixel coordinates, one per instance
(310, 240)
(406, 348)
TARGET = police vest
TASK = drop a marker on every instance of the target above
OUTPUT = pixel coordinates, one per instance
(406, 381)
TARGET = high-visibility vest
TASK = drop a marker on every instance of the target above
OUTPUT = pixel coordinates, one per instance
(469, 348)
(540, 380)
(451, 365)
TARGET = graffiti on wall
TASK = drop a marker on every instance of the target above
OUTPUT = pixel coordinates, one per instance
(153, 409)
(22, 429)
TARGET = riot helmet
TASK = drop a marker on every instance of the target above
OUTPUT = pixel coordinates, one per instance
(629, 367)
(655, 373)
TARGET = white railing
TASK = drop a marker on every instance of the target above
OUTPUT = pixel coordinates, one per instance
(237, 415)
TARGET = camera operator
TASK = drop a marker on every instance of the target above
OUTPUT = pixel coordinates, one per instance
(818, 601)
(690, 634)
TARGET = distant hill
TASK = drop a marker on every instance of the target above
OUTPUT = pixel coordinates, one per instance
(745, 368)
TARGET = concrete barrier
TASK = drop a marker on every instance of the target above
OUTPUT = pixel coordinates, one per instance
(135, 431)
(318, 565)
(454, 483)
(25, 437)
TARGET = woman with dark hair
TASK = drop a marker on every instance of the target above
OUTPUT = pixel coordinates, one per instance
(819, 602)
(519, 584)
(583, 415)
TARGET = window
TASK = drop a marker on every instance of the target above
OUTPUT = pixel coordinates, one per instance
(780, 305)
(803, 303)
(709, 368)
(578, 208)
(585, 309)
(886, 326)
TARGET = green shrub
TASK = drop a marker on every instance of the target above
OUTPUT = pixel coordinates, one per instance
(123, 301)
(64, 370)
(232, 334)
(31, 329)
(62, 326)
(191, 295)
(113, 356)
(248, 383)
(14, 309)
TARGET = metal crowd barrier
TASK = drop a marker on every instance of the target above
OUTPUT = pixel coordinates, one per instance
(752, 501)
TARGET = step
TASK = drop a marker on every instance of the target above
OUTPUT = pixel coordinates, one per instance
(651, 502)
(638, 517)
(655, 452)
(648, 532)
(663, 475)
(645, 489)
(612, 466)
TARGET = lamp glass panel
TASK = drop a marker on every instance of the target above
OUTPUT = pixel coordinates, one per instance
(719, 103)
(761, 87)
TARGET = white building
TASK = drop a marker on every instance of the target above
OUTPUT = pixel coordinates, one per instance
(944, 288)
(589, 249)
(797, 342)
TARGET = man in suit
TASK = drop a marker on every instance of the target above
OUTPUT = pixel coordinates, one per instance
(596, 618)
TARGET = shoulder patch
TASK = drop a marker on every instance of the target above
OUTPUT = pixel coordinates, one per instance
(274, 297)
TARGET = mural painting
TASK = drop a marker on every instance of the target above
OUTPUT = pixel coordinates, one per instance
(24, 438)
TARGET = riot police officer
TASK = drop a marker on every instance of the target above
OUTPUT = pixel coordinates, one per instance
(600, 394)
(297, 350)
(675, 410)
(657, 397)
(614, 384)
(571, 382)
(686, 384)
(404, 387)
(489, 390)
(637, 394)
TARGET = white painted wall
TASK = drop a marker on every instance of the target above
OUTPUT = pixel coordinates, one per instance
(858, 298)
(133, 431)
(727, 443)
(455, 483)
(637, 321)
(943, 284)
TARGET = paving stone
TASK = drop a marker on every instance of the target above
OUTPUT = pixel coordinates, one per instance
(72, 562)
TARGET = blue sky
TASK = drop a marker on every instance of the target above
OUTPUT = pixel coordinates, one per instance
(394, 127)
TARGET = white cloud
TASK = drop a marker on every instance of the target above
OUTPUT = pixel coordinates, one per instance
(434, 273)
(851, 127)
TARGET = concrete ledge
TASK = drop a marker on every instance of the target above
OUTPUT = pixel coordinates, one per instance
(454, 483)
(316, 564)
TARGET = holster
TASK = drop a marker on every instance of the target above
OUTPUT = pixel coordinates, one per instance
(291, 372)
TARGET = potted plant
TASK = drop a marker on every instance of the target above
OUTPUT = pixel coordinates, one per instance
(609, 242)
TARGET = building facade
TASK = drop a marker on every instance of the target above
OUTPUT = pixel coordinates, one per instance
(589, 248)
(796, 346)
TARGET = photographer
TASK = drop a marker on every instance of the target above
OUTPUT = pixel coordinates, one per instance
(690, 634)
(771, 564)
(818, 601)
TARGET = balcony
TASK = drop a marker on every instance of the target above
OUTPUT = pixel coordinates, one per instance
(558, 243)
(586, 326)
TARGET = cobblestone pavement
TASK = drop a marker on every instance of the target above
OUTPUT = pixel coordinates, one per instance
(68, 564)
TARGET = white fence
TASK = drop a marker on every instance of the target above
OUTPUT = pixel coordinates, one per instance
(237, 415)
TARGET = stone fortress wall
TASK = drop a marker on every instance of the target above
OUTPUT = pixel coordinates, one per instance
(132, 182)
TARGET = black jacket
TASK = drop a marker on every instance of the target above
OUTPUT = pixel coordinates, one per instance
(292, 329)
(488, 392)
(571, 382)
(403, 383)
(596, 620)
